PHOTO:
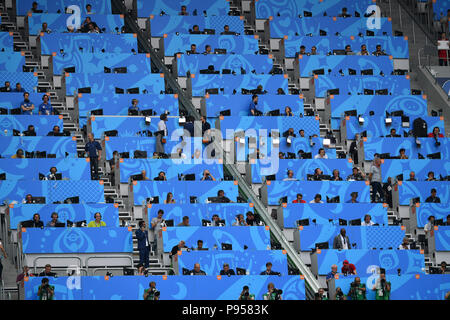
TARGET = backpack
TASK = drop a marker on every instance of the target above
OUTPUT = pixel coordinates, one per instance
(420, 128)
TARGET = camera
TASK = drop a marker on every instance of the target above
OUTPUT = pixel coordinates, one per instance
(278, 293)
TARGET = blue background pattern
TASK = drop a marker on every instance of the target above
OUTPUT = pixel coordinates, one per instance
(439, 210)
(335, 63)
(255, 238)
(213, 8)
(199, 211)
(290, 26)
(253, 261)
(98, 6)
(118, 104)
(116, 43)
(173, 288)
(42, 125)
(409, 190)
(393, 146)
(161, 25)
(392, 168)
(6, 41)
(106, 83)
(409, 261)
(194, 63)
(58, 22)
(172, 168)
(396, 85)
(29, 169)
(378, 128)
(228, 82)
(301, 168)
(72, 212)
(11, 61)
(239, 104)
(77, 240)
(395, 46)
(440, 6)
(12, 100)
(442, 236)
(53, 145)
(335, 211)
(343, 189)
(88, 191)
(183, 190)
(242, 44)
(27, 79)
(364, 237)
(92, 63)
(406, 287)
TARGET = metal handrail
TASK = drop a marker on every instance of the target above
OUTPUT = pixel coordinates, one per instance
(57, 257)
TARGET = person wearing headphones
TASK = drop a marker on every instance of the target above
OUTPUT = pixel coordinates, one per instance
(45, 108)
(97, 223)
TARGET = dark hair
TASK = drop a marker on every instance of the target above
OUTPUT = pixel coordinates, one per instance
(163, 116)
(140, 226)
(433, 190)
(254, 96)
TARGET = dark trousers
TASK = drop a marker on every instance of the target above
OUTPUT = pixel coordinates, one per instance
(376, 187)
(94, 168)
(144, 256)
(1, 269)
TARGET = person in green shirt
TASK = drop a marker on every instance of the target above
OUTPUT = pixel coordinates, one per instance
(246, 295)
(357, 290)
(151, 293)
(272, 293)
(382, 287)
(97, 223)
(340, 294)
(321, 295)
(45, 290)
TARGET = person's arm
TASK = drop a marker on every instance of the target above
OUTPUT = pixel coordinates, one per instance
(3, 250)
(99, 148)
(140, 234)
(145, 295)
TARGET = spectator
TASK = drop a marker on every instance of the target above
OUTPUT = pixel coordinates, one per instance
(45, 28)
(268, 271)
(246, 295)
(433, 198)
(363, 51)
(193, 49)
(45, 290)
(226, 31)
(382, 287)
(378, 51)
(301, 132)
(36, 222)
(348, 268)
(430, 176)
(144, 175)
(54, 221)
(367, 221)
(447, 221)
(290, 176)
(354, 196)
(252, 219)
(27, 106)
(161, 176)
(52, 174)
(299, 199)
(34, 8)
(92, 28)
(313, 50)
(222, 198)
(443, 268)
(430, 225)
(97, 223)
(205, 127)
(341, 241)
(91, 148)
(336, 176)
(19, 88)
(375, 179)
(207, 176)
(302, 50)
(321, 154)
(55, 132)
(348, 49)
(197, 271)
(185, 222)
(195, 30)
(207, 49)
(281, 155)
(169, 199)
(289, 133)
(47, 271)
(436, 133)
(226, 271)
(89, 9)
(357, 175)
(344, 13)
(393, 134)
(317, 199)
(288, 112)
(443, 50)
(85, 25)
(240, 221)
(5, 256)
(19, 154)
(28, 199)
(357, 290)
(412, 176)
(332, 273)
(280, 92)
(134, 109)
(178, 247)
(143, 244)
(215, 220)
(30, 132)
(200, 246)
(253, 110)
(183, 11)
(6, 88)
(402, 154)
(161, 133)
(405, 244)
(156, 225)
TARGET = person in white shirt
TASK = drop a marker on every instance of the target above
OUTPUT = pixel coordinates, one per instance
(317, 199)
(367, 221)
(162, 132)
(321, 154)
(430, 225)
(405, 244)
(290, 176)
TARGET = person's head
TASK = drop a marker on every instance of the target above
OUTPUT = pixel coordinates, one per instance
(215, 217)
(220, 193)
(160, 213)
(393, 131)
(207, 48)
(444, 265)
(334, 268)
(255, 98)
(88, 8)
(363, 47)
(142, 224)
(36, 217)
(203, 119)
(378, 47)
(290, 173)
(357, 280)
(250, 215)
(448, 219)
(195, 28)
(53, 170)
(30, 127)
(29, 198)
(197, 267)
(134, 102)
(344, 10)
(318, 171)
(90, 137)
(91, 26)
(226, 28)
(433, 192)
(183, 9)
(354, 195)
(162, 175)
(281, 155)
(270, 286)
(382, 274)
(240, 217)
(430, 175)
(186, 220)
(88, 20)
(25, 269)
(19, 153)
(317, 198)
(181, 244)
(377, 161)
(299, 196)
(436, 131)
(412, 175)
(321, 291)
(402, 151)
(302, 133)
(144, 173)
(152, 284)
(169, 196)
(405, 241)
(367, 218)
(193, 48)
(48, 268)
(44, 281)
(431, 219)
(54, 216)
(343, 232)
(322, 152)
(45, 98)
(348, 48)
(98, 216)
(313, 50)
(34, 5)
(163, 117)
(200, 244)
(56, 129)
(443, 36)
(226, 267)
(288, 110)
(335, 173)
(26, 96)
(302, 49)
(355, 170)
(18, 86)
(44, 26)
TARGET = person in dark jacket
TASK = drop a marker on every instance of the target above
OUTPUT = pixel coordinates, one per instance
(143, 244)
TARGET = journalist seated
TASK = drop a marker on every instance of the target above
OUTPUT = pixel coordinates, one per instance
(268, 271)
(47, 272)
(226, 271)
(197, 271)
(54, 222)
(97, 223)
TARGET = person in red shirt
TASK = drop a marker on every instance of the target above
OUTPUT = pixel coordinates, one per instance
(299, 199)
(348, 268)
(436, 133)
